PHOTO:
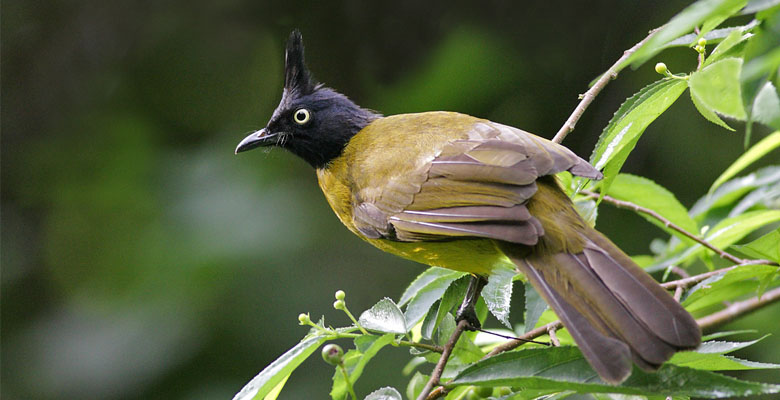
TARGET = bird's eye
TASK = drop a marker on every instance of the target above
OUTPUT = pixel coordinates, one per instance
(302, 116)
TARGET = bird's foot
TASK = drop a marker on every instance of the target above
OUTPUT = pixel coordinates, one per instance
(468, 314)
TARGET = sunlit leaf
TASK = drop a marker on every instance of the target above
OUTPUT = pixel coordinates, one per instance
(498, 294)
(712, 37)
(629, 122)
(384, 316)
(735, 37)
(716, 362)
(708, 114)
(717, 335)
(755, 153)
(724, 347)
(265, 382)
(734, 189)
(766, 247)
(755, 6)
(717, 87)
(385, 393)
(564, 368)
(726, 286)
(715, 20)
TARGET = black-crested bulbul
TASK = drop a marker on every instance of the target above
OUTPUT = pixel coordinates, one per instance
(460, 192)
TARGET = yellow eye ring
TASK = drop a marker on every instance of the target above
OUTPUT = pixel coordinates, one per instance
(301, 116)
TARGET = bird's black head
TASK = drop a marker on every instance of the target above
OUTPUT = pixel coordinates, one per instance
(312, 121)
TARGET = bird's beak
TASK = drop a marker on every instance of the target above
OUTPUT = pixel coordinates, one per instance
(256, 139)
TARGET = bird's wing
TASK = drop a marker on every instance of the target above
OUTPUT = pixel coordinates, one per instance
(476, 186)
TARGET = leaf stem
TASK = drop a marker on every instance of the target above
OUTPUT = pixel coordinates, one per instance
(347, 381)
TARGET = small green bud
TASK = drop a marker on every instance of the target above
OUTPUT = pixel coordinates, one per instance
(502, 391)
(340, 295)
(483, 391)
(333, 354)
(702, 42)
(339, 304)
(699, 49)
(304, 319)
(661, 68)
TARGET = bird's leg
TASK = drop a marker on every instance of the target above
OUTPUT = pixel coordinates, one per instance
(467, 311)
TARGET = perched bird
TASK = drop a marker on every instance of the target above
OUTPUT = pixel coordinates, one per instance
(455, 191)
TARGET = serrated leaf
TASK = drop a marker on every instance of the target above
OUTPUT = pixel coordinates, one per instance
(725, 347)
(629, 122)
(726, 286)
(498, 294)
(564, 368)
(766, 106)
(753, 154)
(646, 193)
(424, 279)
(385, 317)
(385, 393)
(715, 20)
(534, 306)
(427, 294)
(682, 23)
(712, 37)
(355, 362)
(708, 114)
(717, 87)
(279, 369)
(765, 247)
(716, 362)
(453, 296)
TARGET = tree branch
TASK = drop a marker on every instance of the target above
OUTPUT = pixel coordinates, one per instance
(445, 355)
(671, 225)
(739, 308)
(591, 94)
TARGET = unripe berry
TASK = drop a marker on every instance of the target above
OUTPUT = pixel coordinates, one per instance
(702, 42)
(332, 354)
(340, 295)
(304, 319)
(339, 304)
(661, 68)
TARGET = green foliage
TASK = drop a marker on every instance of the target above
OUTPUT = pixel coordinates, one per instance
(735, 81)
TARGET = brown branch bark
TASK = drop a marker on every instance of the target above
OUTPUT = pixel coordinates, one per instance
(445, 355)
(597, 87)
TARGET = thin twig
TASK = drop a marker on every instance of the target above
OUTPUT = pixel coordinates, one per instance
(673, 226)
(445, 355)
(553, 337)
(588, 97)
(692, 280)
(739, 308)
(532, 334)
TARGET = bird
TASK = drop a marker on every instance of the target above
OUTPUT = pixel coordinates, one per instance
(455, 191)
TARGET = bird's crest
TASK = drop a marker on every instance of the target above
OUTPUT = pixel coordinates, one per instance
(297, 77)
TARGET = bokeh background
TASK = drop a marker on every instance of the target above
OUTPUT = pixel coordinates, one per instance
(141, 259)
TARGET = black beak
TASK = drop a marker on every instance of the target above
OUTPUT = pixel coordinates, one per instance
(256, 139)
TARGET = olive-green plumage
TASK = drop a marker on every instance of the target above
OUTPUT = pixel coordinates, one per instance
(455, 191)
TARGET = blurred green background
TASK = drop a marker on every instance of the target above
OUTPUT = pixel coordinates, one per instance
(141, 259)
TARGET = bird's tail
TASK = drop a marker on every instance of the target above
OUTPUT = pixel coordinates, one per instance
(613, 309)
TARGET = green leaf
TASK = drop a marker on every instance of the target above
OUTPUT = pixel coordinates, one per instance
(426, 278)
(385, 317)
(385, 393)
(498, 294)
(716, 362)
(646, 193)
(428, 293)
(588, 210)
(415, 385)
(272, 375)
(735, 37)
(733, 190)
(355, 362)
(723, 347)
(755, 6)
(726, 286)
(682, 23)
(452, 297)
(715, 20)
(765, 247)
(712, 37)
(766, 106)
(564, 368)
(534, 306)
(629, 122)
(717, 87)
(755, 153)
(274, 393)
(717, 335)
(708, 114)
